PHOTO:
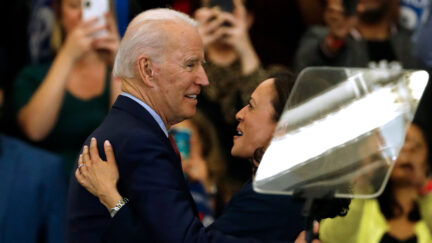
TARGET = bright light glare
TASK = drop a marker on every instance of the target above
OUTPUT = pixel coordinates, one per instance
(418, 82)
(361, 116)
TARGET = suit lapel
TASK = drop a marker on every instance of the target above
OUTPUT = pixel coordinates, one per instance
(133, 108)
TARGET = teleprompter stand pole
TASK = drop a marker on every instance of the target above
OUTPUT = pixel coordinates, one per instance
(310, 197)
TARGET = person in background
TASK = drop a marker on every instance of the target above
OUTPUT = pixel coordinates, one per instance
(33, 192)
(402, 213)
(423, 51)
(422, 43)
(234, 70)
(49, 97)
(248, 214)
(368, 37)
(203, 165)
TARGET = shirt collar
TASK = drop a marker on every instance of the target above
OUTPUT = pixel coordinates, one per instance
(155, 116)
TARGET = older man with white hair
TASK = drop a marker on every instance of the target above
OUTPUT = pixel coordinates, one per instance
(160, 64)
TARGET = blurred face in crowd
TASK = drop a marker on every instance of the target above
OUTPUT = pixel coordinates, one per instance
(371, 11)
(70, 14)
(256, 123)
(411, 165)
(371, 4)
(180, 75)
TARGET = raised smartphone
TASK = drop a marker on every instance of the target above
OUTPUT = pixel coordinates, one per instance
(224, 5)
(98, 9)
(182, 140)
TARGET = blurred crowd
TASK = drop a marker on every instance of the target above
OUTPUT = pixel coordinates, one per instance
(57, 87)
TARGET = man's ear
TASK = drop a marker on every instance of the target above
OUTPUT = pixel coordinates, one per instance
(145, 70)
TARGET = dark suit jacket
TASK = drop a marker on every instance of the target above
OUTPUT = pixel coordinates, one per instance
(264, 217)
(32, 194)
(261, 216)
(150, 176)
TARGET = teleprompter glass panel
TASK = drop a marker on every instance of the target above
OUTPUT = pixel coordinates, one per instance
(341, 131)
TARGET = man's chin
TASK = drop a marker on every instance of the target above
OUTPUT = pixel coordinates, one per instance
(181, 118)
(189, 114)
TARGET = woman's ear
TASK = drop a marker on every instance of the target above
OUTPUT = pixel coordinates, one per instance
(145, 70)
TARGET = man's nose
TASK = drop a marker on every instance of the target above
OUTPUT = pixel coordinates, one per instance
(202, 77)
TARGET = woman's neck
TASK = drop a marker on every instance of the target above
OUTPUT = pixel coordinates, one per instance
(405, 196)
(89, 59)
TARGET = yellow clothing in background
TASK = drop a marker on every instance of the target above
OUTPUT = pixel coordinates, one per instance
(365, 223)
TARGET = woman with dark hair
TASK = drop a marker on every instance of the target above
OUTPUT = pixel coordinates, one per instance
(50, 98)
(402, 213)
(248, 214)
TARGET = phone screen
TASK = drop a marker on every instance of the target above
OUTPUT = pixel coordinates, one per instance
(98, 9)
(225, 5)
(94, 8)
(182, 140)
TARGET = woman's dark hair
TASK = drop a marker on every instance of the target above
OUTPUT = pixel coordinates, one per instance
(388, 204)
(423, 126)
(390, 207)
(283, 84)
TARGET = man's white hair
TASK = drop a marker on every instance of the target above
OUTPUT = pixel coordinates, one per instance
(145, 35)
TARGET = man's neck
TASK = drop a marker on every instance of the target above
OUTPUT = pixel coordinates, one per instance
(132, 88)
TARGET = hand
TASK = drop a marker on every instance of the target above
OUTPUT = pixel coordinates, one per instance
(107, 45)
(210, 25)
(237, 34)
(97, 176)
(338, 24)
(302, 236)
(196, 169)
(79, 41)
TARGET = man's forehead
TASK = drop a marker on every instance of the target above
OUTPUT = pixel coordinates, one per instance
(186, 46)
(177, 26)
(187, 54)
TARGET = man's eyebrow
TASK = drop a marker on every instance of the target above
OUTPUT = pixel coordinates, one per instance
(192, 59)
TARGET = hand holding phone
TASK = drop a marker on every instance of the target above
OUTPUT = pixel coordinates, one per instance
(224, 5)
(182, 140)
(96, 9)
(340, 17)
